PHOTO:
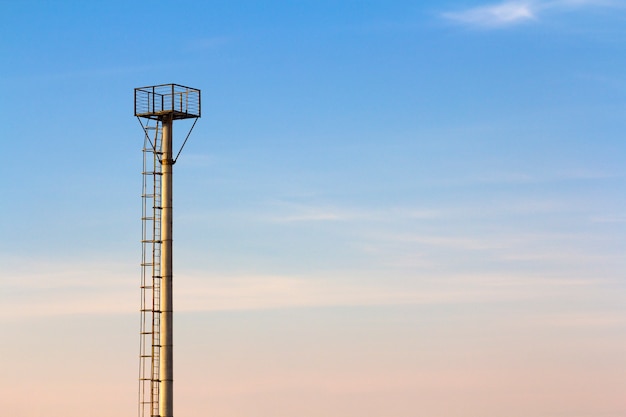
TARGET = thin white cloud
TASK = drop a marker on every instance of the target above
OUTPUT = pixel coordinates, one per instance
(199, 292)
(36, 289)
(38, 294)
(502, 14)
(609, 219)
(579, 3)
(312, 216)
(288, 212)
(583, 319)
(67, 289)
(510, 13)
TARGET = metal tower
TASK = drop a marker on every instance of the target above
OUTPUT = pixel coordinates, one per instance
(160, 104)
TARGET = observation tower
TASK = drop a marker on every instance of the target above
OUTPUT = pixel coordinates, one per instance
(159, 106)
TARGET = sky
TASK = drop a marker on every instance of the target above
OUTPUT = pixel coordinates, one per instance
(388, 208)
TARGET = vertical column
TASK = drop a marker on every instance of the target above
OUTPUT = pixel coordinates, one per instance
(166, 392)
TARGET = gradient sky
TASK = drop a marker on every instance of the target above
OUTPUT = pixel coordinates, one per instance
(388, 208)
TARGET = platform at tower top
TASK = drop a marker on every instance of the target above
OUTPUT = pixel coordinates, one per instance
(162, 101)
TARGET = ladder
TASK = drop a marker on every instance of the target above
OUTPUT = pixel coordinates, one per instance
(150, 343)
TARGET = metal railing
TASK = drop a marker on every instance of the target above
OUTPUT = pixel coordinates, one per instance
(178, 101)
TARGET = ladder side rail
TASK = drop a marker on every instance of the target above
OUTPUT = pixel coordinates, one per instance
(150, 313)
(156, 273)
(146, 236)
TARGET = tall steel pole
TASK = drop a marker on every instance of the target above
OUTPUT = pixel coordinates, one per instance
(166, 369)
(163, 104)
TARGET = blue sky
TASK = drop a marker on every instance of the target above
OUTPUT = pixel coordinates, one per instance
(388, 208)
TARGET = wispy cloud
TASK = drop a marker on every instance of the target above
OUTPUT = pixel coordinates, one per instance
(501, 14)
(609, 219)
(202, 292)
(509, 13)
(289, 212)
(38, 294)
(312, 216)
(70, 289)
(39, 289)
(583, 319)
